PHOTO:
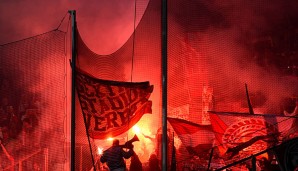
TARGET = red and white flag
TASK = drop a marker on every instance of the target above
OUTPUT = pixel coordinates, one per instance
(196, 138)
(243, 134)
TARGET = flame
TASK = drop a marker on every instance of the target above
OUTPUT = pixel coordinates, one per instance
(110, 139)
(145, 146)
(99, 150)
(136, 129)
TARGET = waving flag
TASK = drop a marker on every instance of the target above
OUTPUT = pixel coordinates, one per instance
(111, 108)
(196, 138)
(243, 134)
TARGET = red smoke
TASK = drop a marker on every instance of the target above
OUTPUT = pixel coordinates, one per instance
(104, 25)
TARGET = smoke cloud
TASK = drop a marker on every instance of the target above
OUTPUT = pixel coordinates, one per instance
(241, 42)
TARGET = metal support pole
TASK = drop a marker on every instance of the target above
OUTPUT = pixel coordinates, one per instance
(73, 67)
(164, 83)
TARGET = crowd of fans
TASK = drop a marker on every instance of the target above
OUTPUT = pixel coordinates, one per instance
(17, 123)
(19, 117)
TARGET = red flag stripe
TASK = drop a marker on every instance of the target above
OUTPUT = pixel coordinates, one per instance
(185, 127)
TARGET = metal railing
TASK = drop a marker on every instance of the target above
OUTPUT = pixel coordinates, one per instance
(19, 164)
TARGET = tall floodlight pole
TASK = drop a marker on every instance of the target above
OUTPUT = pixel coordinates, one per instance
(73, 67)
(164, 49)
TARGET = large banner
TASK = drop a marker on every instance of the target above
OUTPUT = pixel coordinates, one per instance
(241, 135)
(111, 108)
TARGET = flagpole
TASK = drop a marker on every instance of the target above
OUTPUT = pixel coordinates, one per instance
(210, 158)
(164, 61)
(251, 111)
(73, 67)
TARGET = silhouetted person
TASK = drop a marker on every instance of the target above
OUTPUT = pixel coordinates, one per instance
(154, 163)
(135, 163)
(114, 156)
(266, 164)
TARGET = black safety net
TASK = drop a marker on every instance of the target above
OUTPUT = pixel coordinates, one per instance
(231, 91)
(232, 86)
(33, 103)
(136, 62)
(232, 75)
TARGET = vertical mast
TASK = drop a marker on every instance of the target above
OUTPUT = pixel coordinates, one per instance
(164, 48)
(73, 67)
(251, 111)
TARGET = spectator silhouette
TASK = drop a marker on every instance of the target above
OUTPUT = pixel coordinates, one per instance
(136, 164)
(114, 155)
(154, 163)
